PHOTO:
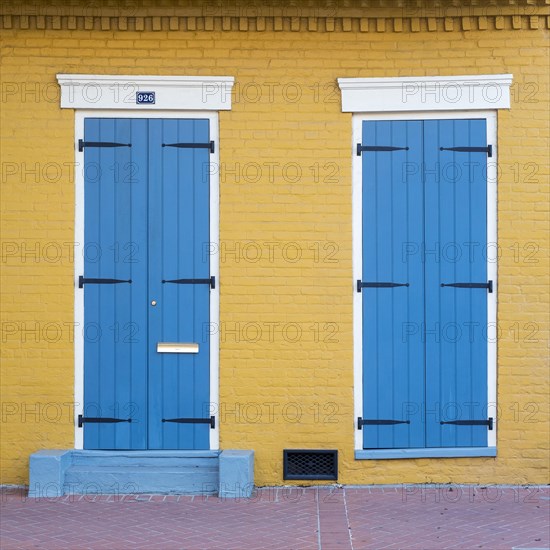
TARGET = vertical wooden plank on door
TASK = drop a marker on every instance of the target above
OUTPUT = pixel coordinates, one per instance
(92, 256)
(114, 380)
(106, 293)
(201, 269)
(156, 248)
(456, 318)
(135, 254)
(393, 361)
(178, 236)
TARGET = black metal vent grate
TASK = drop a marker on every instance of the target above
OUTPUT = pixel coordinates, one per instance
(310, 464)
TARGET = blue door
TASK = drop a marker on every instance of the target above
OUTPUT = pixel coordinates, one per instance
(146, 284)
(424, 284)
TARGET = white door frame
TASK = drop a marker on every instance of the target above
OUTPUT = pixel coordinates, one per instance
(116, 96)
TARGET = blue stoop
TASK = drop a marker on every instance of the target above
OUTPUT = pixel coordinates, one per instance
(165, 472)
(60, 472)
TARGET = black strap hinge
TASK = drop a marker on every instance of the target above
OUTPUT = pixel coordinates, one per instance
(100, 420)
(361, 148)
(82, 144)
(488, 285)
(488, 149)
(488, 422)
(211, 421)
(368, 422)
(209, 145)
(211, 281)
(361, 284)
(92, 281)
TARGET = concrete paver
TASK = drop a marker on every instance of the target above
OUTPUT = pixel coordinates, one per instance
(350, 518)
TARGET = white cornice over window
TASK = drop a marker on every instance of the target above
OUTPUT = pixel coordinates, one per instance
(193, 93)
(429, 93)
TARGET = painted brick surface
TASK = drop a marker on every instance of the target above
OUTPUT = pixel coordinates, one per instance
(286, 373)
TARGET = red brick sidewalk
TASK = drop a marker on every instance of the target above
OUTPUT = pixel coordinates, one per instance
(278, 518)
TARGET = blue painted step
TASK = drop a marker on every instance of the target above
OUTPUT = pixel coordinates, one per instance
(145, 458)
(56, 472)
(129, 472)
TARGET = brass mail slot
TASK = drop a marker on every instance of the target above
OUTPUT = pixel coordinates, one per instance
(177, 347)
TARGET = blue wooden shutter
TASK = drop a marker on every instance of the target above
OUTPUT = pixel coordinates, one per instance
(393, 355)
(115, 247)
(456, 317)
(425, 224)
(178, 249)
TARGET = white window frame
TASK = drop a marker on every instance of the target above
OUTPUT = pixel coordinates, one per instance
(369, 100)
(70, 85)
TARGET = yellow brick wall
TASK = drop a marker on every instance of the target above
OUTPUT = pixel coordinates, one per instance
(286, 380)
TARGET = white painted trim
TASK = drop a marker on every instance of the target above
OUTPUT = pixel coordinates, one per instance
(90, 91)
(215, 292)
(492, 275)
(78, 270)
(213, 118)
(492, 268)
(428, 93)
(357, 266)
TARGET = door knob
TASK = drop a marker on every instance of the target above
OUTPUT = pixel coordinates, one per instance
(153, 302)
